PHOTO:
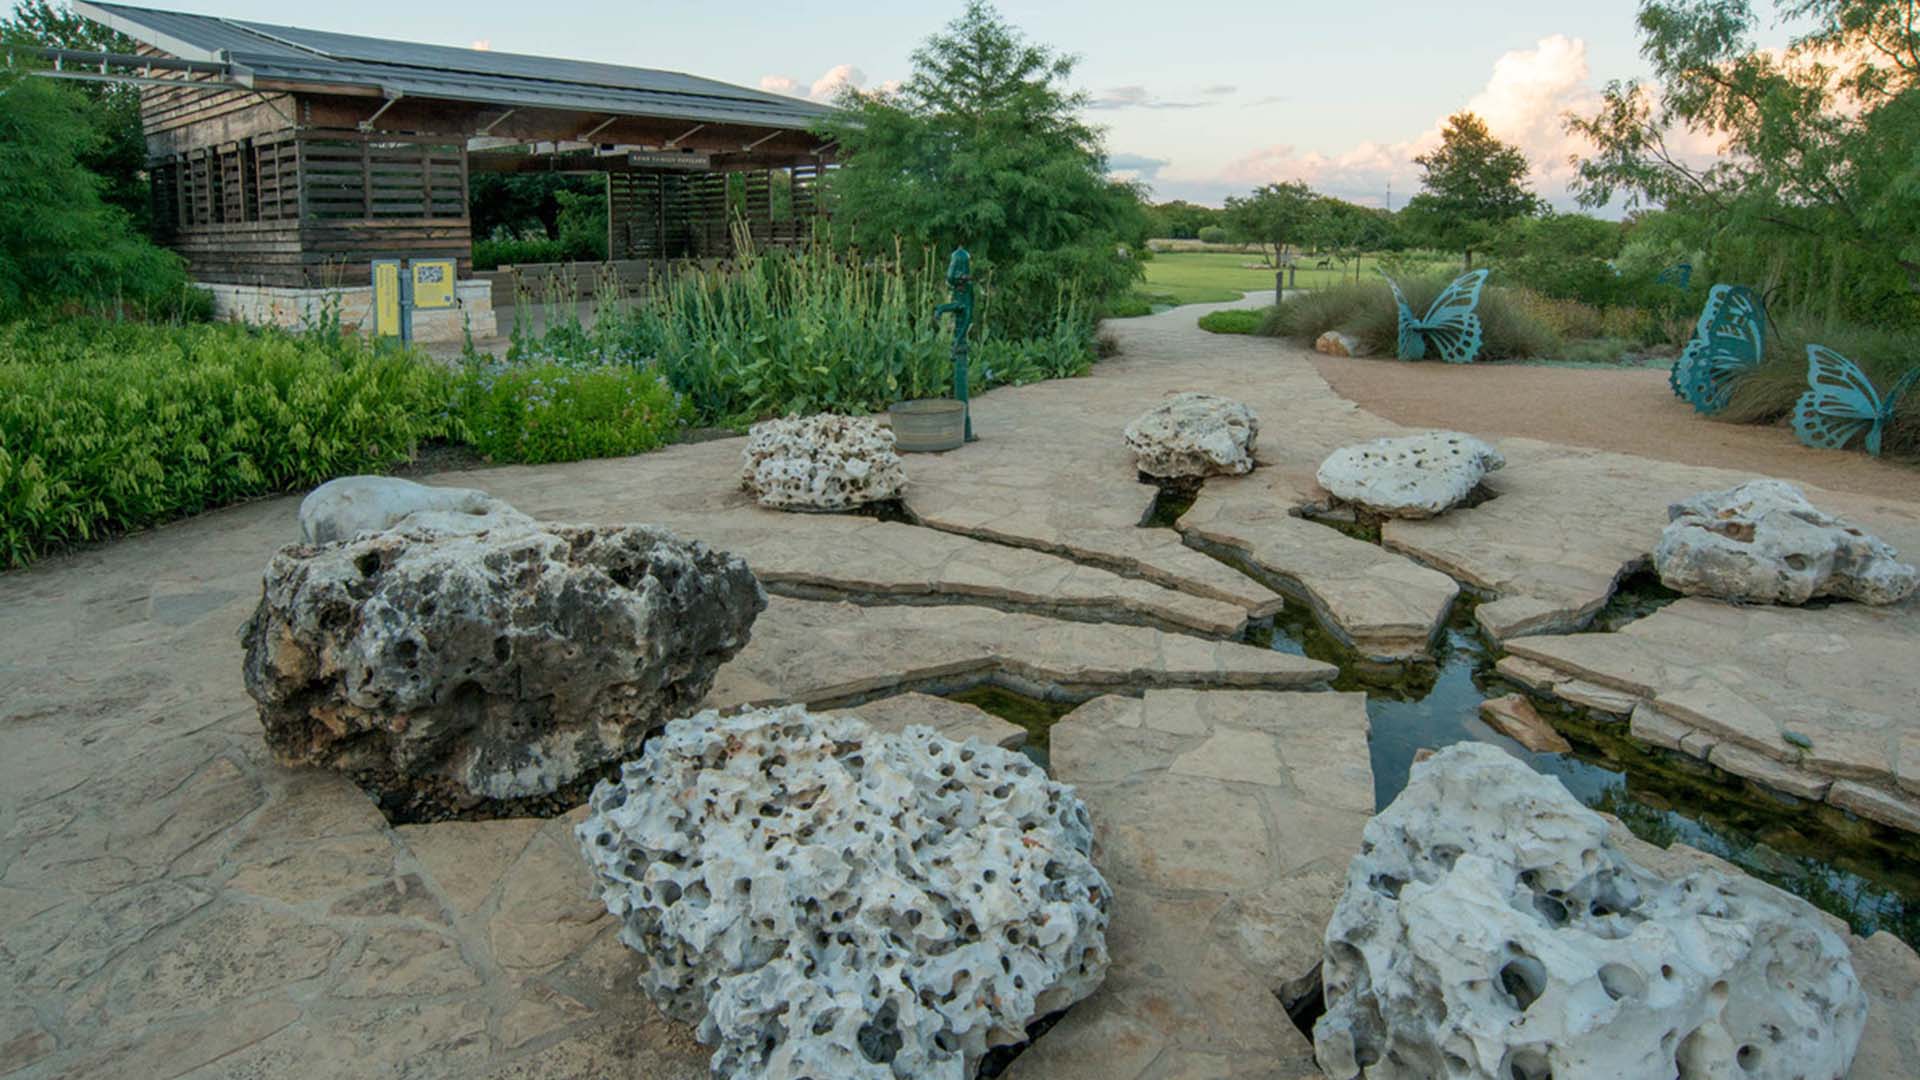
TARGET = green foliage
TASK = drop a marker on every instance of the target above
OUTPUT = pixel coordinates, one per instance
(107, 427)
(1347, 230)
(1275, 216)
(582, 224)
(1471, 184)
(117, 151)
(984, 146)
(1366, 312)
(60, 243)
(1182, 220)
(1817, 194)
(510, 205)
(1211, 234)
(1131, 306)
(534, 413)
(498, 251)
(783, 333)
(1234, 321)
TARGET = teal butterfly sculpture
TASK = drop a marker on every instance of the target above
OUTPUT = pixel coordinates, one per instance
(1679, 275)
(1728, 341)
(1450, 326)
(1842, 402)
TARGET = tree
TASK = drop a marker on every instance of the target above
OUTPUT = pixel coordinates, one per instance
(1179, 219)
(1471, 183)
(60, 243)
(1819, 139)
(1275, 217)
(118, 152)
(983, 146)
(1347, 230)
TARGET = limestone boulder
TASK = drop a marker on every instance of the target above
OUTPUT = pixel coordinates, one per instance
(350, 505)
(441, 667)
(1335, 343)
(823, 462)
(1190, 436)
(828, 900)
(1491, 929)
(1763, 542)
(1409, 476)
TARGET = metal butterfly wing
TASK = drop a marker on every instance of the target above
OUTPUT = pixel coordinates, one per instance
(1728, 342)
(1450, 325)
(1410, 347)
(1840, 404)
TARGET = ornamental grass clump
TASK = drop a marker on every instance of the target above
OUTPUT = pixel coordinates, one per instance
(1365, 311)
(1767, 394)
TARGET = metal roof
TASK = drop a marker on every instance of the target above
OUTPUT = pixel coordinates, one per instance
(407, 69)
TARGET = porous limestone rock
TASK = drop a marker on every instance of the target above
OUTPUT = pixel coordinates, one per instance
(827, 900)
(1763, 542)
(1490, 930)
(1409, 476)
(346, 507)
(823, 462)
(439, 667)
(1189, 436)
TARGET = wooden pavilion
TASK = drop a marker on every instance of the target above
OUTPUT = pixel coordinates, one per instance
(284, 161)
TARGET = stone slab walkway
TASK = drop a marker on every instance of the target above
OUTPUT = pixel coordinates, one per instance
(1730, 684)
(1225, 822)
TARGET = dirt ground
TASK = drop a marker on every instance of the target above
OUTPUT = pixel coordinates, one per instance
(1626, 410)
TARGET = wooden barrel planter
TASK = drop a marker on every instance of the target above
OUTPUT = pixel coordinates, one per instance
(928, 425)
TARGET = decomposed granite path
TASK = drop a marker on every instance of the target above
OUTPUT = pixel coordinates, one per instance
(174, 904)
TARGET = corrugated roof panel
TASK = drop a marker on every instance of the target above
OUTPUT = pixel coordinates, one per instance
(513, 65)
(439, 71)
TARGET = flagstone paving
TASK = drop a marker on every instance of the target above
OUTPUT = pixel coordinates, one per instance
(175, 904)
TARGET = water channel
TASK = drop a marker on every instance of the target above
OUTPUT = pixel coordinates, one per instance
(1865, 873)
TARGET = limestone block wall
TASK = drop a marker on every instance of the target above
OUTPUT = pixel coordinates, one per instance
(272, 305)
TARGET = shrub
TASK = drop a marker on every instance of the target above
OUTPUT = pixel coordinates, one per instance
(493, 253)
(1211, 234)
(1767, 395)
(1234, 320)
(1127, 306)
(109, 427)
(544, 412)
(1365, 310)
(61, 246)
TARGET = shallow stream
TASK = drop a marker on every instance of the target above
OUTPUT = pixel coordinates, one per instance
(1865, 873)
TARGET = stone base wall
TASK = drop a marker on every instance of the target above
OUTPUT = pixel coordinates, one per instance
(270, 305)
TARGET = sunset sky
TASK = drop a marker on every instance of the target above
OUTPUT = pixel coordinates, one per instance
(1200, 101)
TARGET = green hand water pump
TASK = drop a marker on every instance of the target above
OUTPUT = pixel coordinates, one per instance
(960, 279)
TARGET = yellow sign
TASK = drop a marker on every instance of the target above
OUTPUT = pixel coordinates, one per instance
(386, 298)
(432, 283)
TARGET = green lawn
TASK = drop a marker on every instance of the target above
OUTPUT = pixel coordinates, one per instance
(1209, 277)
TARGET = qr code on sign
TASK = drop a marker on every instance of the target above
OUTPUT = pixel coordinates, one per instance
(430, 275)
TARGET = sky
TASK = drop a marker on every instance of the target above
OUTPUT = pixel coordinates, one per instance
(1199, 101)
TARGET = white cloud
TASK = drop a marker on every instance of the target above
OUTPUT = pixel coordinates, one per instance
(1524, 102)
(483, 45)
(824, 88)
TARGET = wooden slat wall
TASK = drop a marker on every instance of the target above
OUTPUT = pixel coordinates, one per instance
(313, 208)
(676, 215)
(382, 196)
